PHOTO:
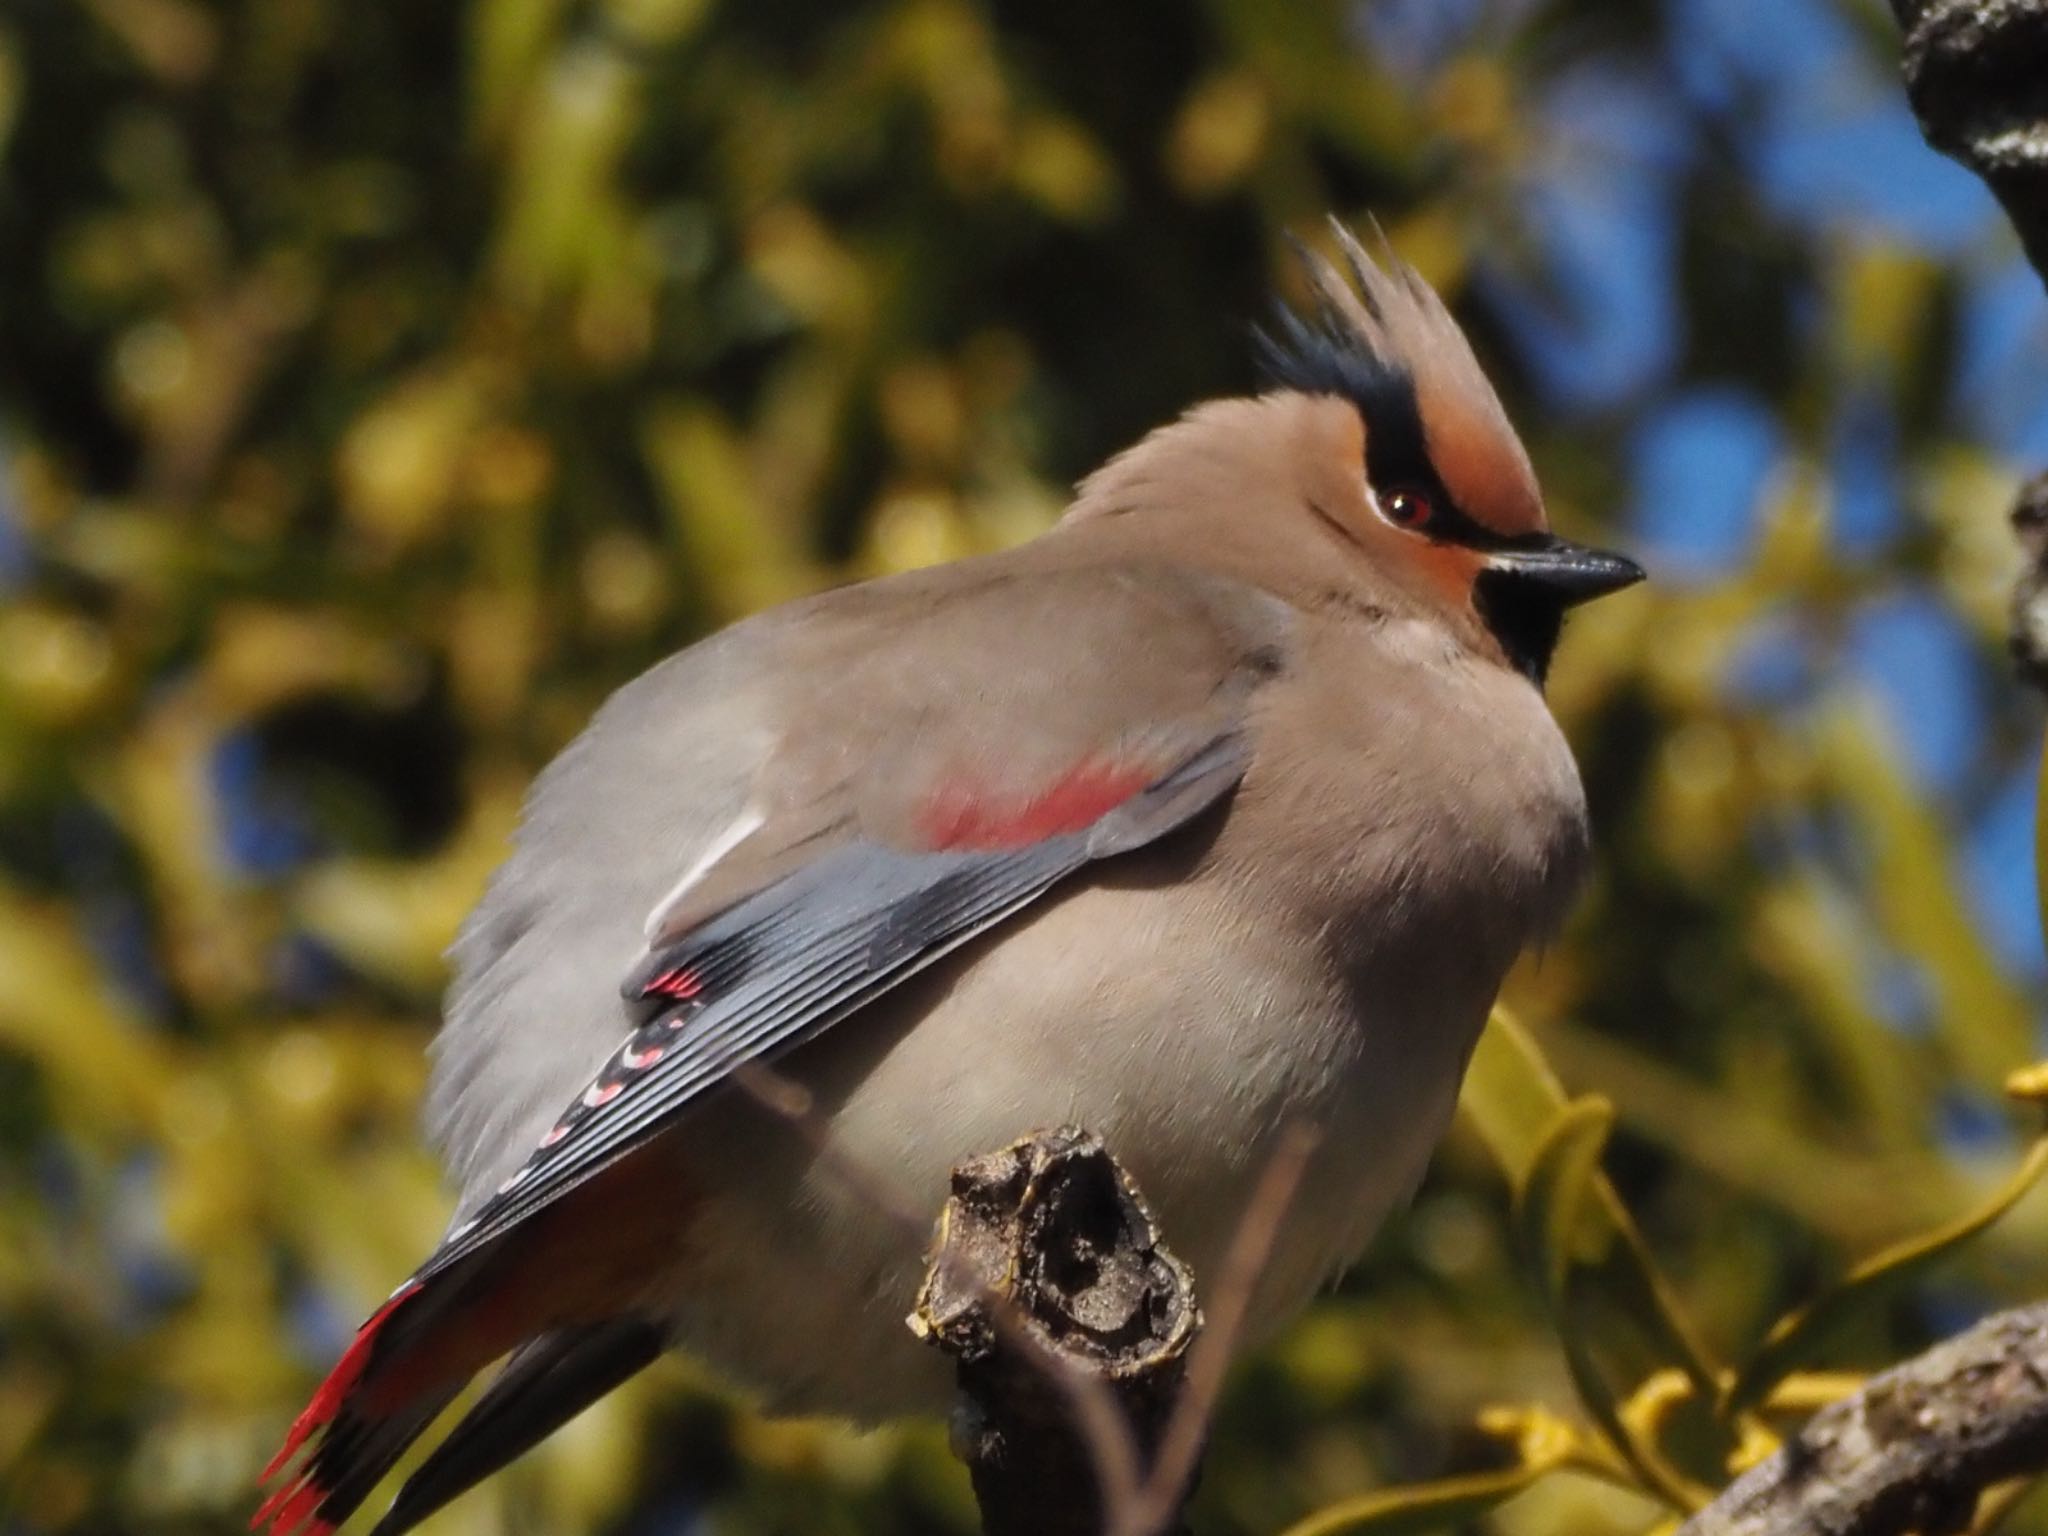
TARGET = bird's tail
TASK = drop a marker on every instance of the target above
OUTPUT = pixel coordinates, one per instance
(540, 1389)
(561, 1289)
(373, 1404)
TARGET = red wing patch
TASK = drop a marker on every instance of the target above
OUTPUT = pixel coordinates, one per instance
(956, 818)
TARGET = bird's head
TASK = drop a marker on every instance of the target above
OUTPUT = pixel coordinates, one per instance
(1440, 494)
(1385, 456)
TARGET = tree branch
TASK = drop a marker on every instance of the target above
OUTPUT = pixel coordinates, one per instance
(1912, 1450)
(1977, 76)
(2027, 621)
(1071, 1324)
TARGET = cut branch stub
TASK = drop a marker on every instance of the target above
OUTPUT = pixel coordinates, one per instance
(1070, 1322)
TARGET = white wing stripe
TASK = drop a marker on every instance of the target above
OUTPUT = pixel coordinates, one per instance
(750, 821)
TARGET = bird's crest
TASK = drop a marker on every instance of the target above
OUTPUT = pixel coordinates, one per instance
(1380, 337)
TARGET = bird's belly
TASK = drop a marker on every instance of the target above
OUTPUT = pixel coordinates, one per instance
(1186, 1040)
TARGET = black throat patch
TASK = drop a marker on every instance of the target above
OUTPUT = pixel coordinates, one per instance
(1524, 618)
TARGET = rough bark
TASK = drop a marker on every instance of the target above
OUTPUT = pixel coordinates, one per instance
(2027, 629)
(1071, 1324)
(1977, 76)
(1912, 1450)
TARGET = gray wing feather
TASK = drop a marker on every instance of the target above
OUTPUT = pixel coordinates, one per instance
(663, 768)
(804, 954)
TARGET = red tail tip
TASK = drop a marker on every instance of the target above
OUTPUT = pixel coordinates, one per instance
(328, 1399)
(293, 1510)
(270, 1505)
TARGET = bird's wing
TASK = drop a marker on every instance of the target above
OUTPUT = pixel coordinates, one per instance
(833, 934)
(942, 756)
(904, 713)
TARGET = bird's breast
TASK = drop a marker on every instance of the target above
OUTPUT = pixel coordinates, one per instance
(1427, 822)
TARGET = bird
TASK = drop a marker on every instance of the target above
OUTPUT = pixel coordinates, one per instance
(1221, 807)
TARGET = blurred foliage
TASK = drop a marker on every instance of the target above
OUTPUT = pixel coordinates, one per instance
(381, 384)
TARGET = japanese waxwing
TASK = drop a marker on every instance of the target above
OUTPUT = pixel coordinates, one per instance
(1223, 805)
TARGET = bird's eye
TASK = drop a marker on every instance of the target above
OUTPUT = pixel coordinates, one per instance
(1407, 507)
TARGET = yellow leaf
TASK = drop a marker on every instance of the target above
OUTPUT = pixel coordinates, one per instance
(1798, 1335)
(397, 467)
(1220, 134)
(1440, 1506)
(721, 520)
(2029, 1085)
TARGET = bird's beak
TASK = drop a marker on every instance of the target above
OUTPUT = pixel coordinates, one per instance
(1570, 573)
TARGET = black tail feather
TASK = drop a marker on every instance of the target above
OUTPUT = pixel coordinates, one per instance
(542, 1387)
(353, 1459)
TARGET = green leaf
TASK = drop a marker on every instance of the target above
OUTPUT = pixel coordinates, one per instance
(1511, 1095)
(1445, 1505)
(1799, 1335)
(1562, 1224)
(1556, 1222)
(1513, 1099)
(1555, 1200)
